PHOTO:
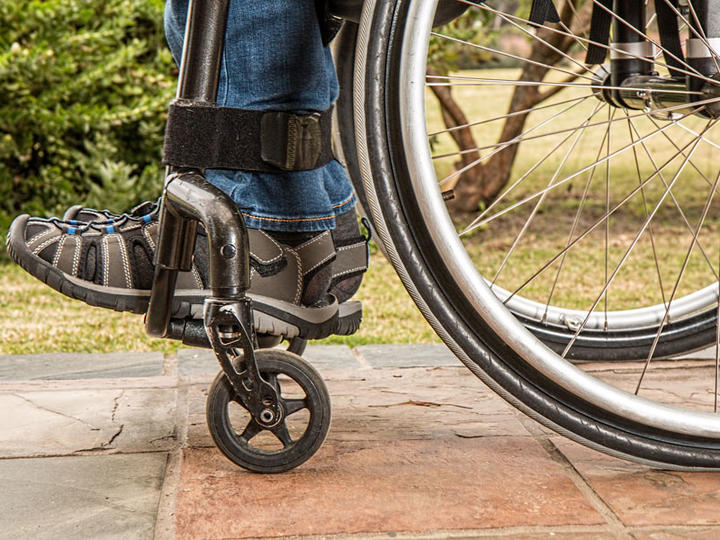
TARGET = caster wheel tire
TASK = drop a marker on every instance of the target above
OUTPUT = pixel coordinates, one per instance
(306, 405)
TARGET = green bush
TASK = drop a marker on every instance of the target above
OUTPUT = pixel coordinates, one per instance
(84, 89)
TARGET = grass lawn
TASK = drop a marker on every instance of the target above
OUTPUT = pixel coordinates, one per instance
(36, 319)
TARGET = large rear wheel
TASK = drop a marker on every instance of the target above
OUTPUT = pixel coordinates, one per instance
(634, 194)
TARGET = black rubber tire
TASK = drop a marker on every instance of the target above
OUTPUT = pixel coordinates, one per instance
(344, 49)
(344, 52)
(237, 449)
(681, 337)
(458, 323)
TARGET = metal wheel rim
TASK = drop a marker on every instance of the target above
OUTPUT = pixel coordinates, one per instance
(414, 136)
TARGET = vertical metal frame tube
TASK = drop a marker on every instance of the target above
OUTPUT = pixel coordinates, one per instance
(202, 50)
(629, 39)
(188, 198)
(703, 47)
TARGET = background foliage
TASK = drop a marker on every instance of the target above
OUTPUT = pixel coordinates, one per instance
(84, 88)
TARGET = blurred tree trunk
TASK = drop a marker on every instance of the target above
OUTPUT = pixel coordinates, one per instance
(483, 181)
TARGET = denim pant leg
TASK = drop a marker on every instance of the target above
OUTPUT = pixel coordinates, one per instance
(274, 59)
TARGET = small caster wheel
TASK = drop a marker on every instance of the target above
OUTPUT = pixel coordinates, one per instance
(306, 416)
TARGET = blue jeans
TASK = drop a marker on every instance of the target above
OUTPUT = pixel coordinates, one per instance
(274, 59)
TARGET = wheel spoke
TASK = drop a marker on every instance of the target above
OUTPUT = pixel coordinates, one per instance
(677, 283)
(505, 116)
(521, 138)
(675, 201)
(695, 134)
(671, 141)
(525, 175)
(489, 81)
(481, 220)
(537, 206)
(515, 57)
(607, 209)
(536, 36)
(499, 147)
(645, 207)
(631, 247)
(598, 222)
(573, 228)
(252, 429)
(294, 405)
(282, 433)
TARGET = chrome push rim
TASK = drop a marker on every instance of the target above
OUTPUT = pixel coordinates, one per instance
(626, 404)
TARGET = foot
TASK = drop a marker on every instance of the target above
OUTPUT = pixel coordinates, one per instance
(109, 264)
(351, 250)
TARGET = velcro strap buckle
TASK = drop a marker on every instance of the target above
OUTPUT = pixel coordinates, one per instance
(206, 136)
(291, 142)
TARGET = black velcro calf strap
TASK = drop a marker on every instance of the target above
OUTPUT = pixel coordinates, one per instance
(599, 32)
(542, 11)
(207, 136)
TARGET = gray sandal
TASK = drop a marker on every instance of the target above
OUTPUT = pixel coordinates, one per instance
(109, 264)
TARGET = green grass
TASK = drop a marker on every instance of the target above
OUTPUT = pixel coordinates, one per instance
(36, 319)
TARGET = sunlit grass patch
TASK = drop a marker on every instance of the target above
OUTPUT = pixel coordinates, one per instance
(36, 319)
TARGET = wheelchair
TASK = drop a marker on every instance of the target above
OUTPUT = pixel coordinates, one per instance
(610, 118)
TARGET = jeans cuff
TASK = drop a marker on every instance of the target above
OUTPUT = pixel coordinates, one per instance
(295, 224)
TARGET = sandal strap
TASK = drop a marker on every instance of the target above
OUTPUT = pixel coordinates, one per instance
(316, 252)
(351, 258)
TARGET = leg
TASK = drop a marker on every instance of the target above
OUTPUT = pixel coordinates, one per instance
(110, 264)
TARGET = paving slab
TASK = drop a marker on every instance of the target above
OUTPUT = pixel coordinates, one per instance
(332, 357)
(376, 487)
(98, 497)
(418, 448)
(51, 423)
(415, 355)
(194, 362)
(643, 496)
(418, 403)
(393, 404)
(410, 449)
(66, 366)
(678, 533)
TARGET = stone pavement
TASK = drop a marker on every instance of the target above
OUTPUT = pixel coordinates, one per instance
(115, 446)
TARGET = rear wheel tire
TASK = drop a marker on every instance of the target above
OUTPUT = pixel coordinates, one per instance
(419, 236)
